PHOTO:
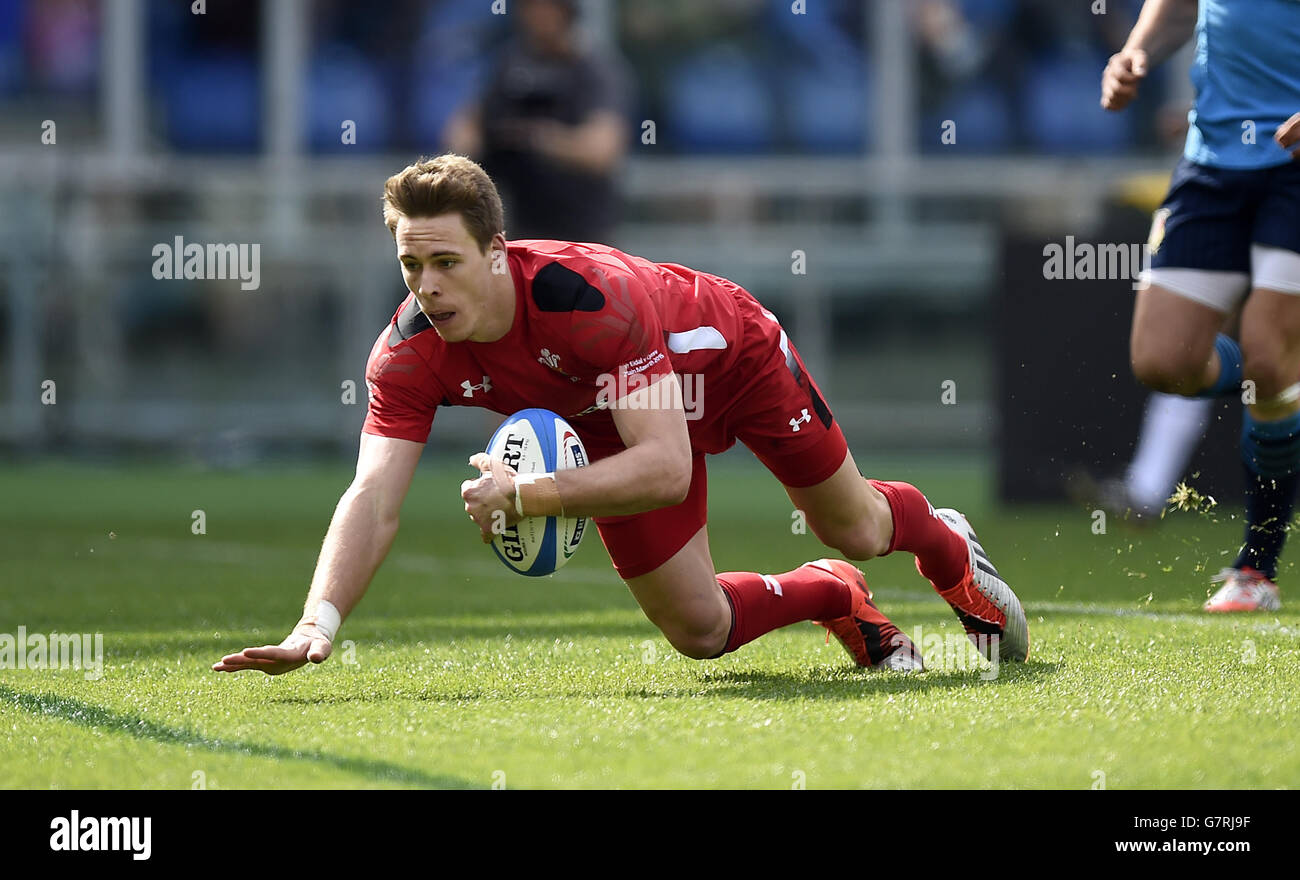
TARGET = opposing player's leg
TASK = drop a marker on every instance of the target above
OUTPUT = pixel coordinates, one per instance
(1200, 270)
(664, 558)
(1202, 255)
(1270, 436)
(1172, 426)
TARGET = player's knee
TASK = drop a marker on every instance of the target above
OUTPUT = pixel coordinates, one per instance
(1171, 371)
(696, 644)
(695, 647)
(697, 638)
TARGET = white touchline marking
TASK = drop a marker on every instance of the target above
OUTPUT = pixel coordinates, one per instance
(1201, 619)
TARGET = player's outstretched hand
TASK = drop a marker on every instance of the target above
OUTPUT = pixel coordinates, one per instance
(1288, 135)
(305, 643)
(1119, 81)
(490, 500)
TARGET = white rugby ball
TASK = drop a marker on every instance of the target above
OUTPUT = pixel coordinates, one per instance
(537, 441)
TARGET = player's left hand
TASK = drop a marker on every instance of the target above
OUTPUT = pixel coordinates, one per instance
(307, 643)
(1288, 135)
(490, 500)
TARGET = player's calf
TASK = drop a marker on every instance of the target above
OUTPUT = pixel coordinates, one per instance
(864, 538)
(695, 621)
(847, 513)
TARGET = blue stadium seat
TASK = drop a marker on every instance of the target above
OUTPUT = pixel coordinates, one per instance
(716, 102)
(11, 46)
(1062, 113)
(983, 120)
(213, 104)
(441, 90)
(450, 66)
(826, 109)
(446, 14)
(988, 14)
(343, 84)
(818, 34)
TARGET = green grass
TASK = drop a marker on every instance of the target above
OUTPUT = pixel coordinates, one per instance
(466, 675)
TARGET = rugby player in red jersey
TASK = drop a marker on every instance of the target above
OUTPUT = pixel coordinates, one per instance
(607, 340)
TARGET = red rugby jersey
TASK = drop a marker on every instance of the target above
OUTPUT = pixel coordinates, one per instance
(583, 313)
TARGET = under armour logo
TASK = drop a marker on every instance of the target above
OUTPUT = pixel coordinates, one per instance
(551, 360)
(485, 387)
(803, 417)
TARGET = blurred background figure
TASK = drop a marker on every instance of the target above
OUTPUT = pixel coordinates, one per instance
(1172, 427)
(551, 127)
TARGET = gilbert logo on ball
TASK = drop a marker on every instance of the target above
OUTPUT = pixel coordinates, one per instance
(537, 441)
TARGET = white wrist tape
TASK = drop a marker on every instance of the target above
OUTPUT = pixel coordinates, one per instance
(328, 619)
(522, 480)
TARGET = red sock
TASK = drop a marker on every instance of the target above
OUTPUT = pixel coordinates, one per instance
(940, 554)
(761, 603)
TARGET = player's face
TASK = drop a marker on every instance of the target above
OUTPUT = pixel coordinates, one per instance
(452, 279)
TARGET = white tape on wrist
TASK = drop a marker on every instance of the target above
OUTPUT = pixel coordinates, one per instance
(328, 619)
(523, 480)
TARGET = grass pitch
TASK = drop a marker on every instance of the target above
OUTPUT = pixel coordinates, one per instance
(456, 673)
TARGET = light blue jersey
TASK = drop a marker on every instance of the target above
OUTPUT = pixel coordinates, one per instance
(1247, 69)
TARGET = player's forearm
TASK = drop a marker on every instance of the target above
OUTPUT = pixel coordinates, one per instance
(643, 477)
(595, 146)
(1162, 28)
(358, 539)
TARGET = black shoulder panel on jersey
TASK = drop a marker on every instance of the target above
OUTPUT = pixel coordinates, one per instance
(558, 288)
(410, 322)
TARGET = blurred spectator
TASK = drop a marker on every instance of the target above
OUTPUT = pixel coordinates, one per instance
(1019, 74)
(550, 127)
(63, 45)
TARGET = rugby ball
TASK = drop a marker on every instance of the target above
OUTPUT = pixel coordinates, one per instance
(537, 441)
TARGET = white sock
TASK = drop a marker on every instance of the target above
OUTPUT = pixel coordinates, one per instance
(1172, 426)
